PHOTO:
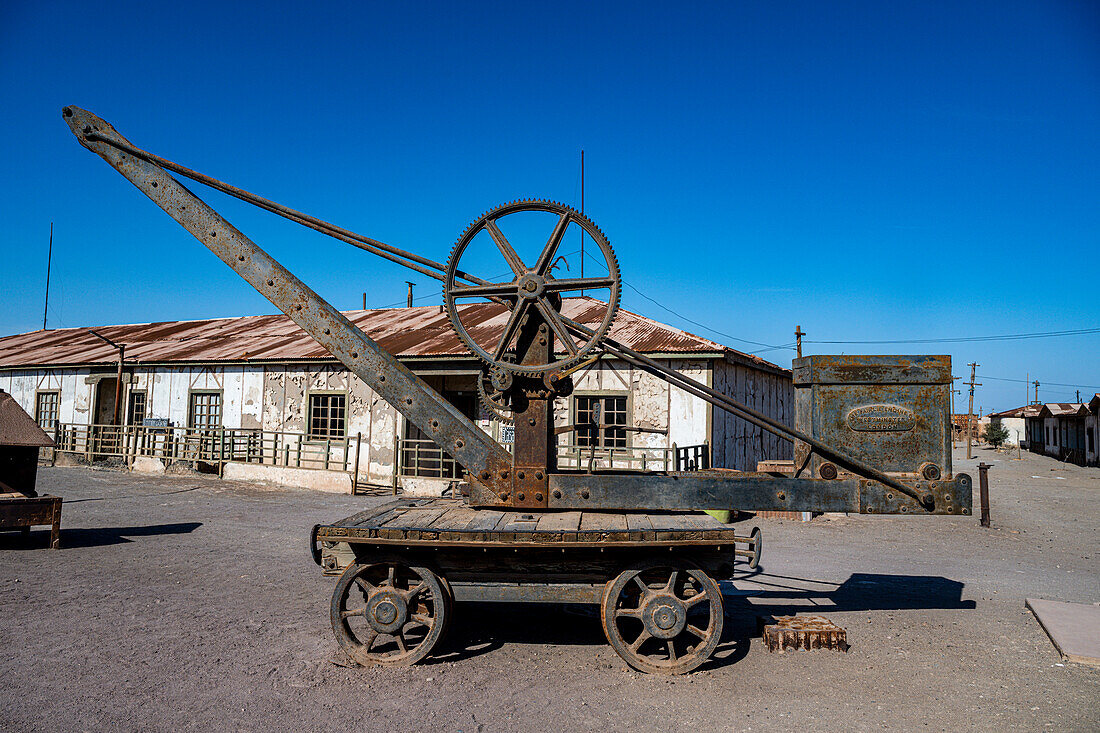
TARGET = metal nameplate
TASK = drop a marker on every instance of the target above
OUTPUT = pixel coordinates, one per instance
(883, 418)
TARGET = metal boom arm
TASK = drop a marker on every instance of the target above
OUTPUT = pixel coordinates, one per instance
(486, 460)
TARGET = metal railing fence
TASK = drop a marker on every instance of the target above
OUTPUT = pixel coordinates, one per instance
(215, 446)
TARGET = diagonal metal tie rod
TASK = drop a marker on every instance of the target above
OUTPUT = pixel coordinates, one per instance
(435, 270)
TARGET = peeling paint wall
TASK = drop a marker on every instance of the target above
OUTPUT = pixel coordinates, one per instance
(275, 398)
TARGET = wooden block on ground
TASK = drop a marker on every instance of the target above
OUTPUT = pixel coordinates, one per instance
(1074, 628)
(804, 632)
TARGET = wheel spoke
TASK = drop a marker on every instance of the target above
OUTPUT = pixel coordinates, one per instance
(422, 619)
(505, 248)
(694, 600)
(371, 636)
(365, 585)
(628, 612)
(399, 637)
(413, 591)
(640, 640)
(357, 612)
(484, 291)
(670, 586)
(671, 651)
(556, 325)
(696, 630)
(510, 328)
(551, 247)
(641, 584)
(578, 283)
(392, 576)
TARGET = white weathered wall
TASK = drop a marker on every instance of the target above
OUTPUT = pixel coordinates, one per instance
(273, 398)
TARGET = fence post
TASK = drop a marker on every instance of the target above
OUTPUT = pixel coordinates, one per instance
(983, 482)
(675, 458)
(396, 459)
(298, 453)
(355, 474)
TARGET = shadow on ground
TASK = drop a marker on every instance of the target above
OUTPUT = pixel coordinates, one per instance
(479, 628)
(72, 539)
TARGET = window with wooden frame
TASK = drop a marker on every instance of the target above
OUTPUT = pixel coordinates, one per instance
(46, 409)
(600, 420)
(205, 410)
(136, 409)
(327, 412)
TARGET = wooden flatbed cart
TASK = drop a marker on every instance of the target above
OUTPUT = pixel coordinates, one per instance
(870, 436)
(654, 575)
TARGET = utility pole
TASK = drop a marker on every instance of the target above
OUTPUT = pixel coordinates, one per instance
(970, 410)
(49, 261)
(118, 380)
(798, 334)
(1036, 383)
(364, 301)
(410, 293)
(953, 393)
(582, 211)
(1078, 395)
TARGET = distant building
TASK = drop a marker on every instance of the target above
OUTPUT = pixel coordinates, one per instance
(1061, 430)
(1014, 421)
(260, 383)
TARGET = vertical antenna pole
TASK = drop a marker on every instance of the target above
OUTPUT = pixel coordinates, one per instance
(798, 334)
(410, 293)
(49, 261)
(364, 301)
(582, 211)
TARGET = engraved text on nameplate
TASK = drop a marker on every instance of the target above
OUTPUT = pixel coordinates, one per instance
(881, 419)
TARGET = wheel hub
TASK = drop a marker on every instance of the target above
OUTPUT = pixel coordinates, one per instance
(386, 612)
(531, 286)
(664, 616)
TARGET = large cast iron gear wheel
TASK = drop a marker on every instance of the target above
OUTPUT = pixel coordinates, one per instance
(532, 288)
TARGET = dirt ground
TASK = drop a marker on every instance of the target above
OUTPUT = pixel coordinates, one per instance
(191, 603)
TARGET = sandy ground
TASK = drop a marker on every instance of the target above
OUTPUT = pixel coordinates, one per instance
(191, 603)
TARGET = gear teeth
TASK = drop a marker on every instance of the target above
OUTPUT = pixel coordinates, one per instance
(512, 207)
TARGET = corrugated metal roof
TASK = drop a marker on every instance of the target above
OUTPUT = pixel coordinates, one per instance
(1025, 411)
(1063, 409)
(405, 332)
(19, 428)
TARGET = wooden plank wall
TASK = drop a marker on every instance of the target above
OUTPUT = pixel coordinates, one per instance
(738, 444)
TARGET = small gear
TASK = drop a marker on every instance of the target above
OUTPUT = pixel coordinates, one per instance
(532, 290)
(495, 400)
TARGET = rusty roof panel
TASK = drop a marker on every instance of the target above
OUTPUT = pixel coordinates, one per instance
(405, 332)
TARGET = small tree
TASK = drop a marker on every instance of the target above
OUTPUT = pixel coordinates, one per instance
(995, 434)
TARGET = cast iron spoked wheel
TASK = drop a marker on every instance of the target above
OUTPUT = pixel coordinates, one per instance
(532, 289)
(663, 617)
(389, 612)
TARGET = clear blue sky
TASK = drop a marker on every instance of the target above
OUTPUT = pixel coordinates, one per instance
(867, 170)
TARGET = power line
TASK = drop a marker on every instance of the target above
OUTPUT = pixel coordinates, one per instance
(966, 339)
(1045, 384)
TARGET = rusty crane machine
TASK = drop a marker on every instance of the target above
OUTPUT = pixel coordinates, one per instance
(871, 435)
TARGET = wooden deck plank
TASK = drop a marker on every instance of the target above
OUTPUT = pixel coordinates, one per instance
(415, 518)
(484, 520)
(559, 522)
(603, 522)
(520, 522)
(455, 519)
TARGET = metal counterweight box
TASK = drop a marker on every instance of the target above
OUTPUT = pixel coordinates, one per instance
(891, 411)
